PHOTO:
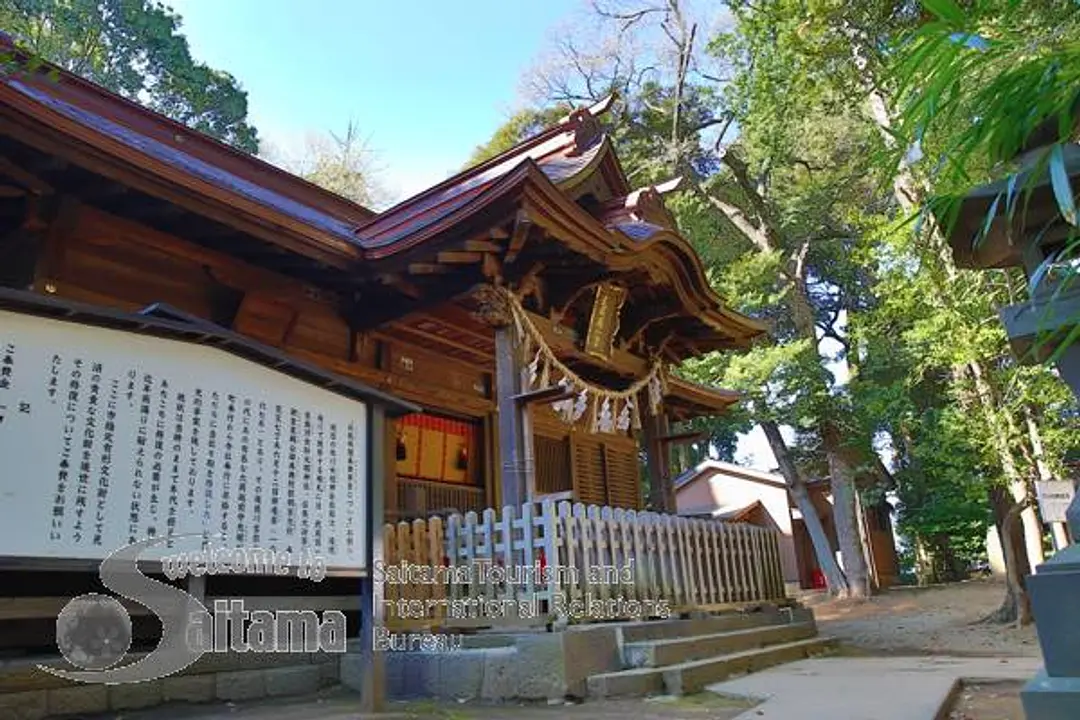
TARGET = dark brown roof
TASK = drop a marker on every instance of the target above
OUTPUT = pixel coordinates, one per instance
(50, 97)
(164, 321)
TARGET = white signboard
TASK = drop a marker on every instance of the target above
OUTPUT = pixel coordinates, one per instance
(109, 437)
(1054, 499)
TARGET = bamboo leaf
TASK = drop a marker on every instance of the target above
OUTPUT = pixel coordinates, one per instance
(989, 219)
(1010, 195)
(1059, 179)
(946, 10)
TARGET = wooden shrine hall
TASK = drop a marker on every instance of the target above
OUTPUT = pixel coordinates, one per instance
(532, 305)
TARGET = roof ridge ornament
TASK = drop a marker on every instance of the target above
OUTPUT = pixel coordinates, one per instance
(596, 109)
(587, 130)
(647, 204)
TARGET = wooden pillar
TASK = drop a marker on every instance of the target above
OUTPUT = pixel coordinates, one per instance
(661, 489)
(380, 441)
(513, 435)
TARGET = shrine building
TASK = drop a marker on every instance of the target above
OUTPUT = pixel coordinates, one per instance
(543, 263)
(194, 340)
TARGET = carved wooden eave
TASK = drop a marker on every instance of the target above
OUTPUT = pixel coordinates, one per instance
(644, 205)
(686, 400)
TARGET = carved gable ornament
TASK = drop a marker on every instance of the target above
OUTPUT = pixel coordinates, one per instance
(604, 321)
(587, 130)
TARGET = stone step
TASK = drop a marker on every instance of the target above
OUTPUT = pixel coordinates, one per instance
(656, 653)
(647, 630)
(691, 677)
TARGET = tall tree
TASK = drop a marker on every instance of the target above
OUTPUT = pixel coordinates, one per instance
(677, 118)
(134, 48)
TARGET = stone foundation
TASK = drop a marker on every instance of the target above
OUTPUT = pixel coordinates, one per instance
(498, 667)
(27, 693)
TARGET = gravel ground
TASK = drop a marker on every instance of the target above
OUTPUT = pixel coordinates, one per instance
(939, 620)
(999, 701)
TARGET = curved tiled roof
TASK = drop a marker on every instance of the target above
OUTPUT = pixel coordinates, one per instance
(154, 148)
(134, 145)
(561, 153)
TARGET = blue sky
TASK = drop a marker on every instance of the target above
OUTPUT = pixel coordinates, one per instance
(425, 80)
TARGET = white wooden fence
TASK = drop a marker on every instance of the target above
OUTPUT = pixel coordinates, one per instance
(543, 562)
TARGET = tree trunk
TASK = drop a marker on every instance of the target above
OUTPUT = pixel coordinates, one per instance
(909, 192)
(1016, 607)
(1018, 486)
(1061, 535)
(845, 519)
(835, 579)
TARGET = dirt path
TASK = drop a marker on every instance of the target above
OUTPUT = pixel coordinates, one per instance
(340, 705)
(940, 620)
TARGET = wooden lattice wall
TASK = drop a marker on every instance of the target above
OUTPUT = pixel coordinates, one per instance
(599, 468)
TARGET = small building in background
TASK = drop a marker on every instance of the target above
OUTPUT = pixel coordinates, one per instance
(734, 493)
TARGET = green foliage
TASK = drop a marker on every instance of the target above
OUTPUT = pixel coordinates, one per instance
(978, 87)
(980, 80)
(134, 48)
(802, 182)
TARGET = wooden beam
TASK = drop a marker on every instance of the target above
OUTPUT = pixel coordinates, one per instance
(401, 385)
(456, 324)
(564, 344)
(492, 268)
(428, 269)
(684, 438)
(464, 257)
(661, 490)
(513, 433)
(399, 283)
(438, 340)
(522, 226)
(482, 246)
(24, 177)
(550, 394)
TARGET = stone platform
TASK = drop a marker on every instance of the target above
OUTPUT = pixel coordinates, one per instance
(620, 659)
(912, 688)
(27, 693)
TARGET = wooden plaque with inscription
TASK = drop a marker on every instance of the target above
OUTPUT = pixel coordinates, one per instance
(604, 322)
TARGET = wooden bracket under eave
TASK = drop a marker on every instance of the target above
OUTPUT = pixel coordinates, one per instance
(492, 268)
(24, 177)
(459, 257)
(399, 283)
(427, 269)
(522, 225)
(532, 285)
